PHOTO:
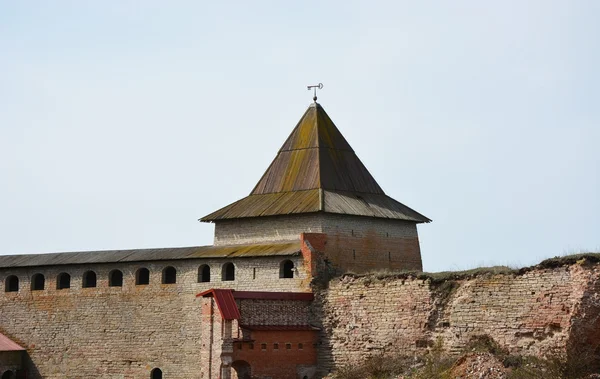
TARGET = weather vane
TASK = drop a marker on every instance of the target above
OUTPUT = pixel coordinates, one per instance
(319, 86)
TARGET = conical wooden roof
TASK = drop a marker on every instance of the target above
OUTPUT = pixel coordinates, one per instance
(316, 170)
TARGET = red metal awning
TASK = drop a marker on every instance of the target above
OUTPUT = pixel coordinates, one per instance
(6, 344)
(225, 302)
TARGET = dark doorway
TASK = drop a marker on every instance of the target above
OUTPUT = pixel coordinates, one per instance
(11, 284)
(115, 278)
(89, 279)
(228, 272)
(286, 270)
(142, 277)
(169, 275)
(38, 282)
(156, 374)
(241, 370)
(63, 281)
(8, 375)
(204, 274)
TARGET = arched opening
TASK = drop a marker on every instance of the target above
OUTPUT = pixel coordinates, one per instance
(204, 274)
(286, 269)
(169, 275)
(228, 273)
(89, 279)
(38, 282)
(156, 374)
(115, 278)
(142, 276)
(63, 281)
(241, 370)
(8, 375)
(11, 284)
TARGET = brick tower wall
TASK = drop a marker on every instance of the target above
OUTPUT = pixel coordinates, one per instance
(354, 243)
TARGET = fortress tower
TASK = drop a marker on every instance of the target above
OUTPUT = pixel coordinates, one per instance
(317, 184)
(241, 307)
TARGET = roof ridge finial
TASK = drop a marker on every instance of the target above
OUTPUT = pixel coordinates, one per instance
(318, 86)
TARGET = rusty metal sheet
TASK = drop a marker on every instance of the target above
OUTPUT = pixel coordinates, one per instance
(270, 204)
(316, 170)
(113, 256)
(372, 205)
(314, 156)
(6, 344)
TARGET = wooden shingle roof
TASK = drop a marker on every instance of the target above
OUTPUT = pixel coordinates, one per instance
(316, 170)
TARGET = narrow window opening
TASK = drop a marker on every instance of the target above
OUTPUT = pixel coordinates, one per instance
(352, 232)
(300, 346)
(254, 273)
(156, 374)
(263, 346)
(142, 277)
(275, 346)
(204, 274)
(389, 256)
(63, 281)
(89, 279)
(228, 272)
(288, 346)
(353, 254)
(169, 275)
(115, 278)
(286, 269)
(38, 282)
(11, 284)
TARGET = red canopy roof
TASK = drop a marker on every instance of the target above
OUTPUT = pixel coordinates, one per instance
(6, 344)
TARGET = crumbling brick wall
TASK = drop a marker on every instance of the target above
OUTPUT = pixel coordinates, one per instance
(533, 312)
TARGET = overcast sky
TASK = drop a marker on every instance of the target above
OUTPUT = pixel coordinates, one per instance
(123, 122)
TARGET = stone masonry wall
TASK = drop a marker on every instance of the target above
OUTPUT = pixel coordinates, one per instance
(354, 243)
(274, 312)
(538, 312)
(123, 332)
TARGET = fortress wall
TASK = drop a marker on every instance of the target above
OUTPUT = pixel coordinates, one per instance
(533, 313)
(354, 243)
(122, 332)
(265, 229)
(361, 244)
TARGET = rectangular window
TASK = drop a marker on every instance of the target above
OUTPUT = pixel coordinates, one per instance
(300, 346)
(275, 346)
(254, 273)
(288, 346)
(263, 346)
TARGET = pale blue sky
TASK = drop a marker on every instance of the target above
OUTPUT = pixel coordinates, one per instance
(123, 122)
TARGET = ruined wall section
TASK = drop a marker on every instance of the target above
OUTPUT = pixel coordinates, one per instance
(531, 313)
(123, 332)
